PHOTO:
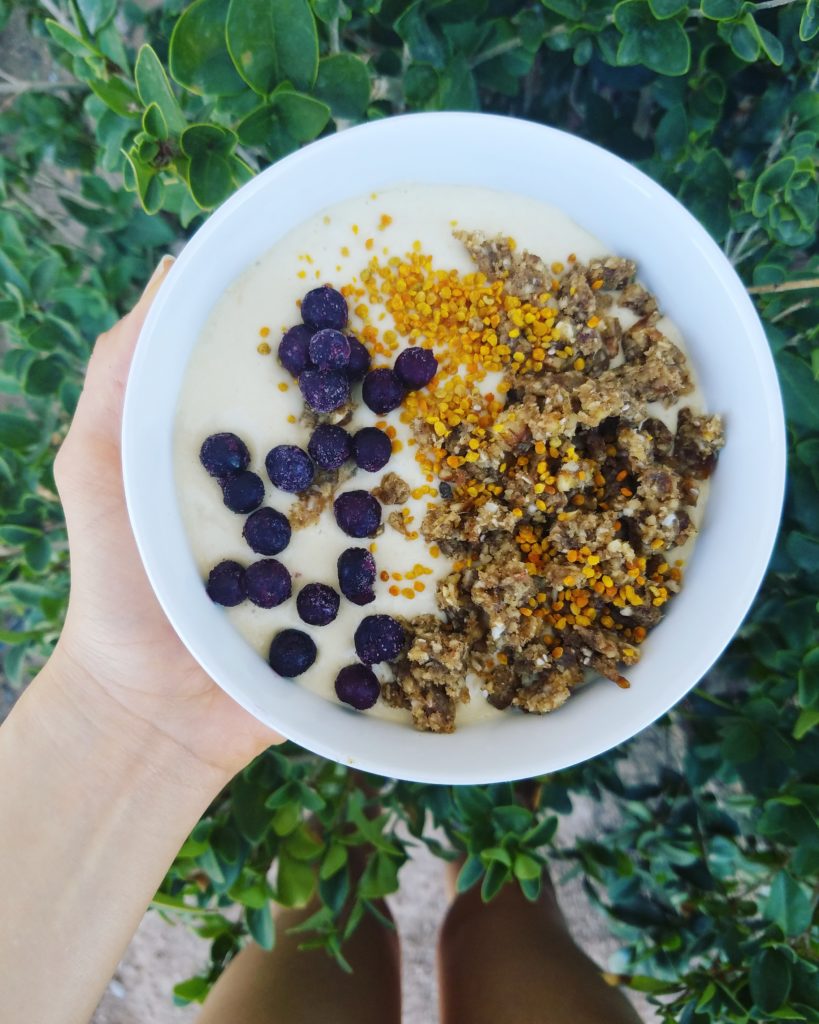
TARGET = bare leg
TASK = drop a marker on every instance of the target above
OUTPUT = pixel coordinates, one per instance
(290, 986)
(514, 962)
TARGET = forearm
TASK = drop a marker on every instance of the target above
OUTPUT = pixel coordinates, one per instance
(91, 815)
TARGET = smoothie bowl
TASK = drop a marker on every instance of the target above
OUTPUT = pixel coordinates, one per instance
(448, 467)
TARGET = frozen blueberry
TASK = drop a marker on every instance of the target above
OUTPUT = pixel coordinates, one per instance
(324, 390)
(415, 368)
(289, 468)
(291, 653)
(445, 490)
(224, 454)
(293, 349)
(379, 638)
(267, 531)
(268, 583)
(324, 307)
(372, 448)
(382, 391)
(360, 359)
(356, 575)
(329, 350)
(226, 584)
(317, 604)
(330, 446)
(358, 686)
(243, 492)
(357, 513)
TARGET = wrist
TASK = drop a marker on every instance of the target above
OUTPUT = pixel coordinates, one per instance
(81, 722)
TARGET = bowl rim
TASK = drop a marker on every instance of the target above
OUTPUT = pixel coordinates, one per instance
(767, 515)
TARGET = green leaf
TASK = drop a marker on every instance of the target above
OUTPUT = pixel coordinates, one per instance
(421, 83)
(808, 688)
(13, 662)
(458, 89)
(116, 95)
(808, 719)
(667, 8)
(37, 554)
(788, 905)
(144, 180)
(13, 534)
(343, 82)
(72, 43)
(380, 877)
(260, 925)
(770, 980)
(198, 56)
(742, 38)
(110, 41)
(209, 863)
(721, 10)
(809, 23)
(211, 169)
(303, 845)
(153, 87)
(263, 127)
(425, 43)
(470, 873)
(334, 860)
(193, 990)
(295, 882)
(569, 9)
(512, 818)
(662, 46)
(496, 853)
(302, 117)
(97, 13)
(671, 136)
(804, 550)
(707, 193)
(497, 875)
(252, 817)
(44, 276)
(286, 819)
(542, 833)
(44, 376)
(531, 888)
(799, 390)
(154, 123)
(273, 42)
(769, 43)
(645, 983)
(327, 10)
(526, 868)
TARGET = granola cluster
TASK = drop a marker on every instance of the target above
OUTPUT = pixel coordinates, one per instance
(565, 491)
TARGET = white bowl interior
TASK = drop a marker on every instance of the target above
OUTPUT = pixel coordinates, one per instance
(696, 286)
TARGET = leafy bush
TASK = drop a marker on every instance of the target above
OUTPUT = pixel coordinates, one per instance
(709, 879)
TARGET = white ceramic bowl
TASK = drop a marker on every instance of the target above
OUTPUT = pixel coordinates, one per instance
(696, 286)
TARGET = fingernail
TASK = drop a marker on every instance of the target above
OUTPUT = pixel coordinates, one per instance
(160, 271)
(162, 267)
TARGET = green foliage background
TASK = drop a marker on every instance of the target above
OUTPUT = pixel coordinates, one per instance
(711, 875)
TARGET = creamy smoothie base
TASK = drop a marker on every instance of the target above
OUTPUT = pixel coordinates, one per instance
(235, 383)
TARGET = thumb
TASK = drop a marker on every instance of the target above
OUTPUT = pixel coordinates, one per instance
(99, 410)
